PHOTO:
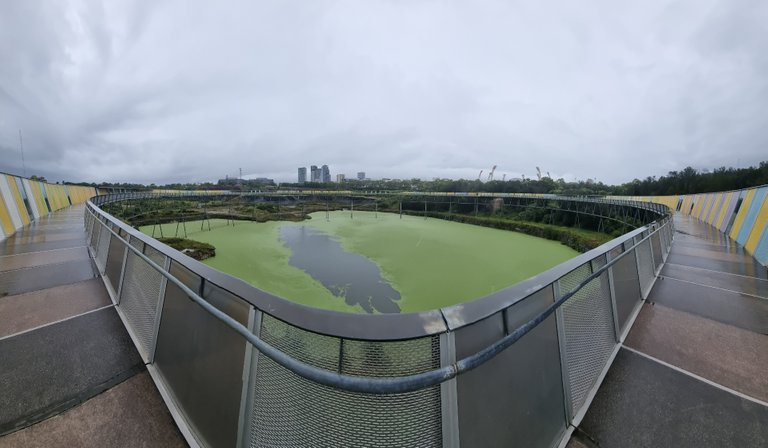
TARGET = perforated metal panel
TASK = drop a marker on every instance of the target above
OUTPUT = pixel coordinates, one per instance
(139, 297)
(289, 411)
(93, 242)
(656, 245)
(103, 248)
(589, 332)
(645, 266)
(88, 223)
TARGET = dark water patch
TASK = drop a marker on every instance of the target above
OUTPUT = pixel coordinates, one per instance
(351, 276)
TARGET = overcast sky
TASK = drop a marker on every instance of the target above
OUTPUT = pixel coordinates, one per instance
(165, 91)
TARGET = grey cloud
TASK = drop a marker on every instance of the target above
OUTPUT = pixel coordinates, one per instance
(190, 91)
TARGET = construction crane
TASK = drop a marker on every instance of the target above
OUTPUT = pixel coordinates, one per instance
(538, 172)
(481, 173)
(490, 175)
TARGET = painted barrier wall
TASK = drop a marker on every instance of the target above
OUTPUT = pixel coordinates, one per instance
(741, 214)
(23, 201)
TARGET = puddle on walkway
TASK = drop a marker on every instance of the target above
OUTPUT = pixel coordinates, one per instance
(351, 276)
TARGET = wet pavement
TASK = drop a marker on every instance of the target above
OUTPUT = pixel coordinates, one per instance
(70, 374)
(692, 371)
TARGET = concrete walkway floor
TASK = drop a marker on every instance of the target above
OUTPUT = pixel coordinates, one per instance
(693, 371)
(69, 373)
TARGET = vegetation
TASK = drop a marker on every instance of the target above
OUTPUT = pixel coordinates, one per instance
(687, 181)
(577, 239)
(195, 249)
(431, 262)
(690, 181)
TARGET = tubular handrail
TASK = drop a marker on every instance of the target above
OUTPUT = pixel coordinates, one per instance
(377, 385)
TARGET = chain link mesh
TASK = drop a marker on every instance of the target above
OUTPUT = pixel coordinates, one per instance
(139, 298)
(290, 411)
(588, 331)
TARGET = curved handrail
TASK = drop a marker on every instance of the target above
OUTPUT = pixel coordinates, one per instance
(375, 326)
(378, 385)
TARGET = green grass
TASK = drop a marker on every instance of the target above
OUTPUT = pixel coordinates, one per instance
(433, 263)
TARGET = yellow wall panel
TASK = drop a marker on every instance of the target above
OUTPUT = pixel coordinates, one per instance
(49, 195)
(707, 207)
(20, 207)
(5, 218)
(758, 228)
(723, 209)
(37, 189)
(716, 205)
(742, 214)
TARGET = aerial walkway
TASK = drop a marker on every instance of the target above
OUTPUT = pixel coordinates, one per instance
(69, 373)
(109, 338)
(692, 372)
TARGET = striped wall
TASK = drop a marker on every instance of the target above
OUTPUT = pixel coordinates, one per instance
(23, 201)
(742, 214)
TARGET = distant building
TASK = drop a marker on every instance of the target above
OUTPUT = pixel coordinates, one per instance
(361, 175)
(314, 173)
(326, 174)
(340, 178)
(302, 174)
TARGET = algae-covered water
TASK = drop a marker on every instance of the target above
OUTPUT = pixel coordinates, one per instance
(374, 262)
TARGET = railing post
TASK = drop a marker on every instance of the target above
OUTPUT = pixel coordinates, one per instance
(448, 393)
(121, 280)
(562, 343)
(159, 311)
(250, 364)
(612, 294)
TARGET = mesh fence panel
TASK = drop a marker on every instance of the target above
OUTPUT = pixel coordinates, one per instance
(88, 223)
(589, 332)
(103, 247)
(645, 266)
(598, 262)
(656, 245)
(138, 300)
(154, 255)
(289, 411)
(95, 234)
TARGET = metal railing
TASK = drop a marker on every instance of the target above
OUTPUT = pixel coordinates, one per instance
(238, 366)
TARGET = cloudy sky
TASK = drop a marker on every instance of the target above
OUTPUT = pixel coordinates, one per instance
(164, 91)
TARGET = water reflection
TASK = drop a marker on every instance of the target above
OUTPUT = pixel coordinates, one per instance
(348, 275)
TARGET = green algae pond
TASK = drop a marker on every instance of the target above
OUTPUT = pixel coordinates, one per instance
(373, 262)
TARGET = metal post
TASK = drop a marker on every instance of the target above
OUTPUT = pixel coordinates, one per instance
(563, 346)
(122, 270)
(449, 404)
(250, 370)
(159, 312)
(612, 298)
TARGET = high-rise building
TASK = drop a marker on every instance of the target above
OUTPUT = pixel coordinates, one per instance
(361, 175)
(314, 173)
(340, 178)
(326, 174)
(302, 174)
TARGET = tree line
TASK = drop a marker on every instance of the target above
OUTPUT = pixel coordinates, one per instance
(686, 181)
